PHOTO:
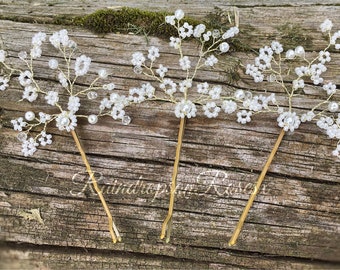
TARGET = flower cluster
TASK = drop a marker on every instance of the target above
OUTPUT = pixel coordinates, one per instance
(66, 115)
(186, 93)
(269, 65)
(4, 78)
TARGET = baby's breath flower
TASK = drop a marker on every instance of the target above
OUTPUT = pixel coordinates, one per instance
(207, 35)
(3, 83)
(170, 20)
(44, 117)
(82, 65)
(185, 63)
(175, 42)
(290, 54)
(117, 113)
(186, 30)
(203, 88)
(276, 47)
(211, 61)
(53, 64)
(185, 108)
(185, 85)
(326, 26)
(211, 110)
(136, 95)
(62, 79)
(153, 53)
(109, 86)
(45, 138)
(168, 82)
(230, 32)
(229, 106)
(161, 71)
(66, 121)
(300, 51)
(324, 56)
(333, 106)
(148, 90)
(289, 121)
(73, 104)
(330, 88)
(25, 78)
(102, 73)
(199, 30)
(138, 59)
(179, 14)
(30, 93)
(52, 98)
(244, 117)
(334, 38)
(215, 92)
(29, 147)
(36, 52)
(18, 124)
(2, 56)
(38, 39)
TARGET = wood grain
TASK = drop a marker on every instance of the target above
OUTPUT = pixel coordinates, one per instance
(293, 224)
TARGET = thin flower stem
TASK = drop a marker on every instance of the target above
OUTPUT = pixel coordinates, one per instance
(243, 217)
(112, 227)
(167, 224)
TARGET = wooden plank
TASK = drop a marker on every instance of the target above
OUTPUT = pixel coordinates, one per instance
(293, 224)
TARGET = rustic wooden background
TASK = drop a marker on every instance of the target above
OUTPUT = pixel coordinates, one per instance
(293, 224)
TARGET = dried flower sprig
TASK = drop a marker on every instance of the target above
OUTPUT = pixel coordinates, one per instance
(186, 94)
(67, 113)
(270, 65)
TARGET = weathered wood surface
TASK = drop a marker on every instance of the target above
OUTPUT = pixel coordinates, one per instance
(294, 223)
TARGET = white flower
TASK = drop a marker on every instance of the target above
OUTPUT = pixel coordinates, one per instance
(185, 85)
(326, 26)
(61, 38)
(324, 56)
(117, 113)
(186, 30)
(325, 122)
(179, 14)
(119, 101)
(105, 103)
(148, 89)
(254, 71)
(38, 38)
(185, 108)
(168, 90)
(185, 63)
(277, 47)
(35, 52)
(136, 95)
(288, 121)
(53, 64)
(199, 30)
(18, 124)
(211, 110)
(263, 61)
(203, 88)
(298, 84)
(175, 42)
(170, 20)
(52, 97)
(44, 117)
(102, 73)
(45, 138)
(73, 104)
(207, 36)
(109, 86)
(66, 120)
(215, 92)
(224, 47)
(30, 93)
(211, 60)
(138, 59)
(307, 116)
(2, 56)
(22, 55)
(300, 51)
(25, 78)
(161, 71)
(62, 79)
(82, 65)
(153, 53)
(29, 147)
(230, 33)
(244, 117)
(302, 71)
(334, 38)
(3, 83)
(330, 88)
(290, 54)
(229, 106)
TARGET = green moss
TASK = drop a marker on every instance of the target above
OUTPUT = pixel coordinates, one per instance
(128, 20)
(293, 35)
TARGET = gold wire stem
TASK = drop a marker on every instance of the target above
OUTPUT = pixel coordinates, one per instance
(167, 224)
(243, 217)
(112, 227)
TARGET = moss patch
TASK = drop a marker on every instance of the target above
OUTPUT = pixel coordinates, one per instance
(293, 35)
(128, 20)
